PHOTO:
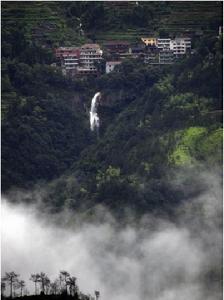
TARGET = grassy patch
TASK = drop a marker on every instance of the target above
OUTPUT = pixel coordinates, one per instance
(186, 144)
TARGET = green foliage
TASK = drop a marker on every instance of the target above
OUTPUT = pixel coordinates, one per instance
(197, 144)
(109, 175)
(186, 145)
(153, 118)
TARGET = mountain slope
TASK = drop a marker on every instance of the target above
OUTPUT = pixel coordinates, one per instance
(154, 119)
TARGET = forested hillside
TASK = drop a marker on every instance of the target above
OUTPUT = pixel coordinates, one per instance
(155, 120)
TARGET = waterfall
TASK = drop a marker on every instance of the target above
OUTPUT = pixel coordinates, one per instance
(94, 118)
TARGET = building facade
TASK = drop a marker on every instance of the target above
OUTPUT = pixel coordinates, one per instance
(88, 59)
(163, 44)
(166, 56)
(90, 55)
(151, 55)
(149, 41)
(110, 65)
(180, 46)
(117, 47)
(69, 59)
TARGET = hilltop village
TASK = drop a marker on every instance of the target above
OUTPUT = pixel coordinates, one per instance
(92, 59)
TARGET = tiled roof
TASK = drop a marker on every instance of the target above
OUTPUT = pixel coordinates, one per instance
(95, 46)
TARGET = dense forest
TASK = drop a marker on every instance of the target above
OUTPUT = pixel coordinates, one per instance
(134, 210)
(155, 120)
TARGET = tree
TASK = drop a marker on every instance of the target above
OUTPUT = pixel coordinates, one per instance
(65, 276)
(60, 282)
(45, 282)
(97, 293)
(11, 278)
(72, 285)
(55, 287)
(3, 286)
(35, 278)
(21, 285)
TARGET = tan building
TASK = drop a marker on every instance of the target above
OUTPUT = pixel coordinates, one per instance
(149, 41)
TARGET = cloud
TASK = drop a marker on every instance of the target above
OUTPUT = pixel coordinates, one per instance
(148, 259)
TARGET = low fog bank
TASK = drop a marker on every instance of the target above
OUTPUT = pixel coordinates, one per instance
(152, 259)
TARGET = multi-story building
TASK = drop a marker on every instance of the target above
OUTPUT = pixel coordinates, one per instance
(151, 55)
(117, 47)
(90, 55)
(149, 41)
(163, 44)
(137, 50)
(110, 65)
(166, 56)
(180, 46)
(69, 59)
(82, 60)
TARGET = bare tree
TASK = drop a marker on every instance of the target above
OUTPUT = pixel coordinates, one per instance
(60, 282)
(45, 281)
(35, 278)
(20, 285)
(11, 278)
(47, 285)
(26, 292)
(71, 282)
(65, 276)
(3, 287)
(55, 287)
(97, 293)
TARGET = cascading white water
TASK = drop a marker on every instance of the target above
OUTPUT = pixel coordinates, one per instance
(94, 118)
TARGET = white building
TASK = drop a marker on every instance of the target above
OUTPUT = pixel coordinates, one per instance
(163, 44)
(166, 56)
(180, 46)
(70, 64)
(90, 54)
(110, 65)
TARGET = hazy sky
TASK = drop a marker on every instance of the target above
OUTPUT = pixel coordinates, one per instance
(154, 259)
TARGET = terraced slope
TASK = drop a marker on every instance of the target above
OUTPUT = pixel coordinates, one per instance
(42, 22)
(173, 18)
(55, 23)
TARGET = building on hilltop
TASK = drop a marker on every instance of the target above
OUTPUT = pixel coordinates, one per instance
(149, 41)
(151, 55)
(180, 46)
(88, 59)
(110, 65)
(117, 47)
(166, 56)
(137, 50)
(69, 59)
(79, 61)
(90, 55)
(163, 44)
(62, 52)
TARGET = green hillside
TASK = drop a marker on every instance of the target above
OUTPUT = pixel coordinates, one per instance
(155, 120)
